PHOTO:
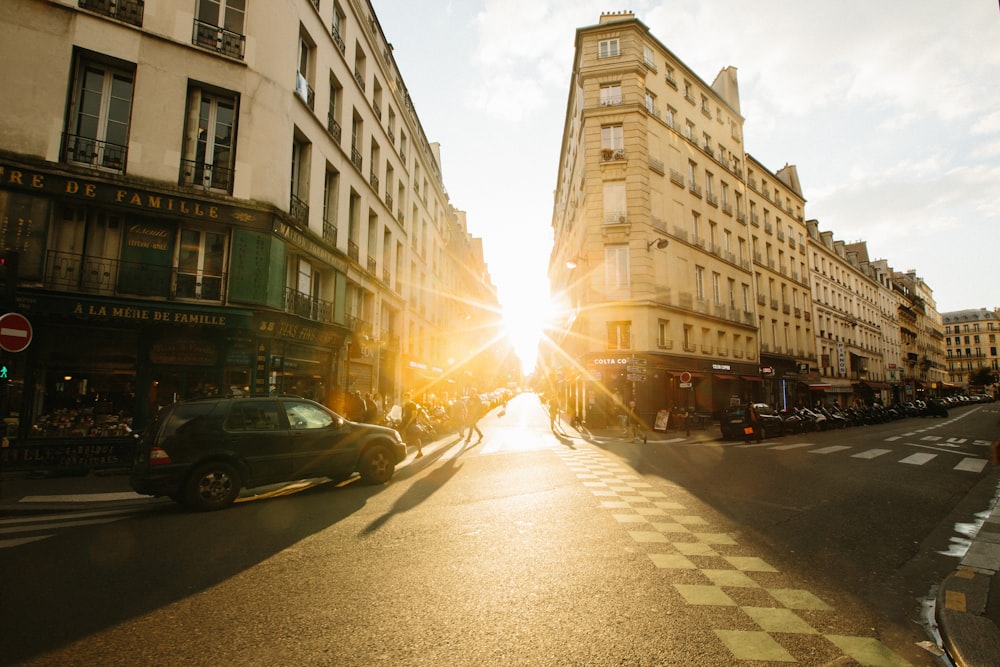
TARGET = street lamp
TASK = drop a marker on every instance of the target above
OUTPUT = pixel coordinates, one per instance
(660, 243)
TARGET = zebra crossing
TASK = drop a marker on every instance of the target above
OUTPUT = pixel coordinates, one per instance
(20, 530)
(935, 448)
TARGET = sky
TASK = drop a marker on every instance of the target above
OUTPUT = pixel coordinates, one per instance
(890, 111)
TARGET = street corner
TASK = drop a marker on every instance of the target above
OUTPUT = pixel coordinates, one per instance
(970, 637)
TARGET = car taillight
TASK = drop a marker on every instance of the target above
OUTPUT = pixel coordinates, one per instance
(157, 456)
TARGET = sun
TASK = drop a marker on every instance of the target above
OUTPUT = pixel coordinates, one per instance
(524, 321)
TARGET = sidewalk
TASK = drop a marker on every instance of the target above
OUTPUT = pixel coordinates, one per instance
(968, 601)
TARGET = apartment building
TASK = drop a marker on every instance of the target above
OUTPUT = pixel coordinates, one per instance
(921, 336)
(652, 244)
(781, 281)
(221, 195)
(971, 344)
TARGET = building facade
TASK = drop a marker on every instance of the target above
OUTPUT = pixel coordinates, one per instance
(971, 344)
(213, 196)
(921, 337)
(654, 254)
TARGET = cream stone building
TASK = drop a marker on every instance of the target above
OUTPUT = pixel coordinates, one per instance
(921, 337)
(653, 253)
(972, 341)
(224, 195)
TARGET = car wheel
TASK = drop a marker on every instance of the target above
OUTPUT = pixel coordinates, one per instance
(377, 465)
(212, 486)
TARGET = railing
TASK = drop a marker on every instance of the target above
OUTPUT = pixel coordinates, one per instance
(333, 127)
(126, 11)
(338, 40)
(388, 201)
(217, 39)
(103, 154)
(330, 232)
(356, 158)
(208, 176)
(360, 78)
(304, 90)
(352, 250)
(308, 306)
(612, 154)
(298, 209)
(372, 265)
(373, 179)
(84, 274)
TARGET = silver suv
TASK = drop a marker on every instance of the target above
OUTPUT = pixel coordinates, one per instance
(202, 452)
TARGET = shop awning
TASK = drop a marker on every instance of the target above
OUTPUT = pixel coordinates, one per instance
(752, 378)
(721, 376)
(877, 385)
(818, 386)
(694, 374)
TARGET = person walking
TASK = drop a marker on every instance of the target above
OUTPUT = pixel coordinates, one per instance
(459, 415)
(553, 412)
(409, 423)
(634, 427)
(751, 424)
(476, 411)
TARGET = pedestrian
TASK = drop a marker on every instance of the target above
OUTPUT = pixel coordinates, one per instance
(634, 427)
(751, 424)
(475, 412)
(620, 412)
(409, 423)
(553, 411)
(459, 415)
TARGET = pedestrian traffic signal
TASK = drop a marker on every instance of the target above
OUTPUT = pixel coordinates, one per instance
(8, 277)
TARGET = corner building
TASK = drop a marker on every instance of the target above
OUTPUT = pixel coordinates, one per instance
(680, 260)
(215, 196)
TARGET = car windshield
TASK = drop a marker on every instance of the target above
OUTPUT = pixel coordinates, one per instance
(307, 415)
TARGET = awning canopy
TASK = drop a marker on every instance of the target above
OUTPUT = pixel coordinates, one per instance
(752, 378)
(721, 376)
(818, 386)
(694, 374)
(877, 385)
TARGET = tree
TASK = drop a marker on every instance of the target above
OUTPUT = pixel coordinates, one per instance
(982, 376)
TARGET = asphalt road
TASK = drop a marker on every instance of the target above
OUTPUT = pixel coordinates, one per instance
(530, 549)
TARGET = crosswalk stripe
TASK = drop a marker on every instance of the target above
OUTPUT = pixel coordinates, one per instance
(62, 524)
(794, 446)
(971, 464)
(871, 453)
(829, 450)
(918, 459)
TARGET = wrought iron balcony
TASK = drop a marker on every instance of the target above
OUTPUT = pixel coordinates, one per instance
(208, 176)
(333, 127)
(330, 232)
(85, 274)
(299, 210)
(338, 40)
(102, 154)
(126, 11)
(218, 39)
(308, 306)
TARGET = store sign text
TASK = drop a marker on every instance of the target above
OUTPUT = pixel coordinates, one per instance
(611, 361)
(148, 315)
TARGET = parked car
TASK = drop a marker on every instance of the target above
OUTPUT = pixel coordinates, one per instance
(202, 452)
(731, 421)
(935, 408)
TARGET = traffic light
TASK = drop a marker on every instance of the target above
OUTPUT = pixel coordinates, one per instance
(8, 277)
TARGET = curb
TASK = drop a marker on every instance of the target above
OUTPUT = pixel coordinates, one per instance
(971, 638)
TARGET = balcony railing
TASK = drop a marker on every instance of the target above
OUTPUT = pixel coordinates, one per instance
(103, 154)
(352, 250)
(299, 210)
(85, 274)
(356, 157)
(308, 306)
(333, 127)
(330, 232)
(338, 40)
(304, 90)
(218, 39)
(126, 11)
(208, 176)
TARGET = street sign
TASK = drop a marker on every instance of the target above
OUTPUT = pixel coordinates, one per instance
(685, 385)
(637, 362)
(635, 377)
(636, 369)
(685, 379)
(15, 332)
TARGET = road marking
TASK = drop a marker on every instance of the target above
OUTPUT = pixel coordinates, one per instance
(893, 438)
(18, 541)
(829, 450)
(871, 453)
(795, 446)
(971, 464)
(62, 524)
(957, 441)
(85, 498)
(918, 459)
(932, 438)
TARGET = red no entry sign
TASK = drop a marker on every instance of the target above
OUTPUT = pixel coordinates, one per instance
(15, 332)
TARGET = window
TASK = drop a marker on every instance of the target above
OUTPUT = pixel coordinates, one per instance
(717, 288)
(612, 137)
(304, 77)
(256, 416)
(648, 57)
(611, 95)
(100, 111)
(608, 48)
(615, 203)
(663, 338)
(219, 26)
(303, 415)
(732, 294)
(688, 130)
(337, 27)
(331, 187)
(651, 103)
(210, 140)
(699, 282)
(616, 261)
(299, 208)
(200, 261)
(619, 335)
(669, 117)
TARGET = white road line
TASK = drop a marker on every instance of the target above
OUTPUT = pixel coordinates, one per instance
(957, 441)
(18, 541)
(37, 519)
(970, 464)
(893, 438)
(85, 498)
(829, 450)
(871, 453)
(918, 459)
(796, 445)
(932, 438)
(63, 524)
